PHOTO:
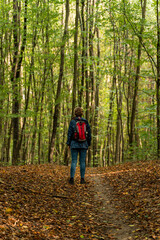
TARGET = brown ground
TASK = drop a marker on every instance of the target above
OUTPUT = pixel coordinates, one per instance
(120, 202)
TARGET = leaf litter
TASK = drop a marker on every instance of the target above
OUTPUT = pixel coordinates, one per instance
(37, 202)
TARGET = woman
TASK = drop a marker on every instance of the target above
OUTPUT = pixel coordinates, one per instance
(77, 145)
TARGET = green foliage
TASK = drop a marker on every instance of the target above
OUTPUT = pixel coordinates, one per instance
(114, 71)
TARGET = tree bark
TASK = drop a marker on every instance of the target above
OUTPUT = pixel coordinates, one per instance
(75, 58)
(136, 86)
(86, 62)
(57, 103)
(112, 94)
(95, 125)
(158, 81)
(83, 53)
(15, 75)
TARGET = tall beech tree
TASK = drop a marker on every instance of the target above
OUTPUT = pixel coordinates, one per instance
(86, 59)
(61, 72)
(75, 58)
(113, 86)
(138, 66)
(16, 70)
(158, 79)
(96, 110)
(82, 19)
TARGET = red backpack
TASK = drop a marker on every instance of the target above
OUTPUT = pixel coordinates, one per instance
(80, 133)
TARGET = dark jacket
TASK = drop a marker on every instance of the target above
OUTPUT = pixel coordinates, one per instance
(74, 143)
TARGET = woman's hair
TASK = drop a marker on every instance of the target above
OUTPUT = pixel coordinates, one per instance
(78, 111)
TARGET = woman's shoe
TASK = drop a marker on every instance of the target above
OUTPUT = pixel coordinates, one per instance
(71, 180)
(82, 181)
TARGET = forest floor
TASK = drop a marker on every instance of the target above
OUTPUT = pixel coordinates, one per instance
(119, 202)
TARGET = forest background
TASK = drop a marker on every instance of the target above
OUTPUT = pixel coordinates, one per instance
(103, 55)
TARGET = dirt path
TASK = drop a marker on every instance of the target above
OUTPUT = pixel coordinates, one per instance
(115, 225)
(37, 202)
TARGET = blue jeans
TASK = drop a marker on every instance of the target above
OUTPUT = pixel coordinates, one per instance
(82, 158)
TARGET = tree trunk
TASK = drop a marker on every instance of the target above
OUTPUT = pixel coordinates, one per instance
(15, 75)
(118, 155)
(83, 54)
(118, 129)
(112, 95)
(75, 58)
(134, 104)
(57, 103)
(158, 81)
(95, 125)
(86, 63)
(1, 78)
(41, 112)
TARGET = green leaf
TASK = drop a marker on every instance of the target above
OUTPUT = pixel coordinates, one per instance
(81, 236)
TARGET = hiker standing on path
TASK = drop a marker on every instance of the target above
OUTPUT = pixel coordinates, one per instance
(79, 139)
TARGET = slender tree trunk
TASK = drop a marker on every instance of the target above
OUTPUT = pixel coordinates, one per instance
(75, 58)
(129, 93)
(8, 143)
(25, 117)
(3, 130)
(34, 139)
(66, 152)
(112, 96)
(86, 63)
(36, 109)
(158, 81)
(57, 104)
(118, 155)
(83, 53)
(45, 74)
(15, 106)
(134, 104)
(104, 152)
(95, 125)
(7, 131)
(41, 112)
(118, 129)
(91, 55)
(91, 77)
(1, 77)
(15, 75)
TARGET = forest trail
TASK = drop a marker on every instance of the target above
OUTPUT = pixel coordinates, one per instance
(116, 226)
(117, 203)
